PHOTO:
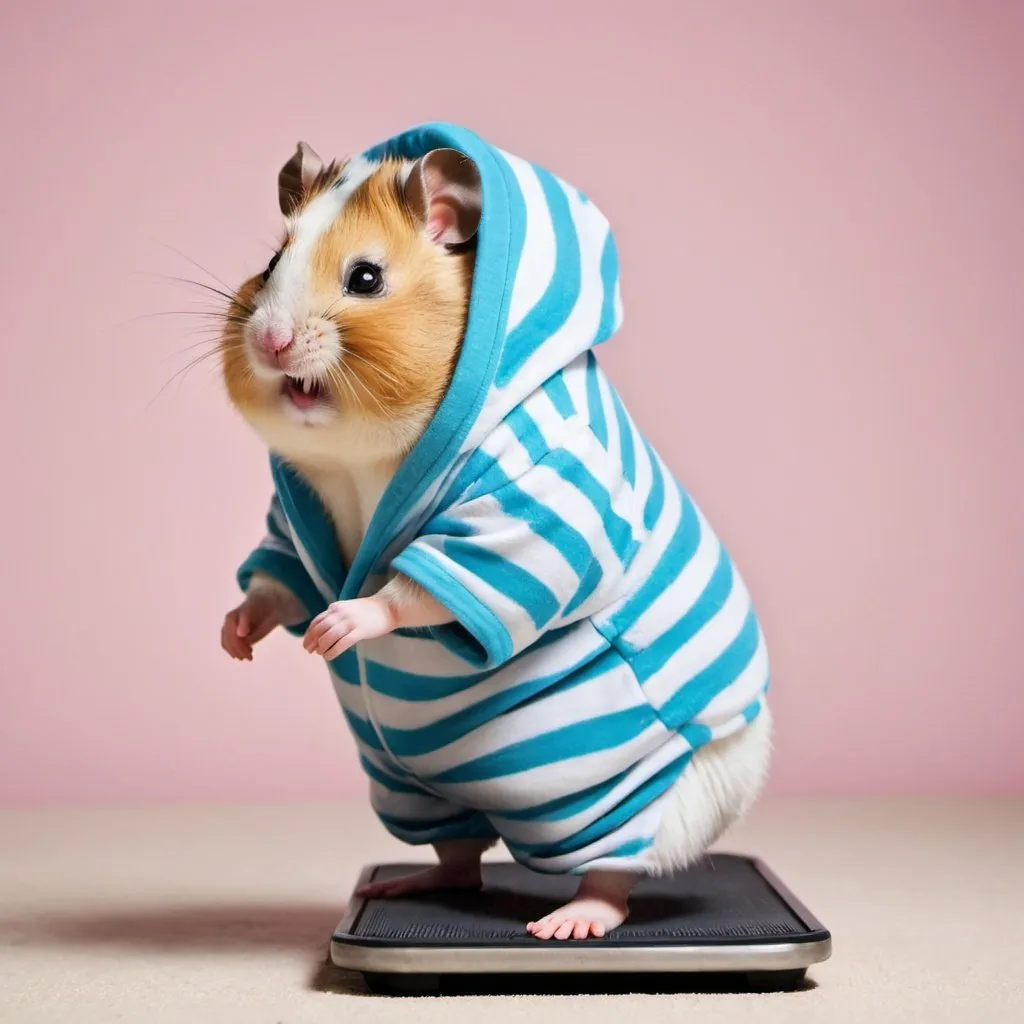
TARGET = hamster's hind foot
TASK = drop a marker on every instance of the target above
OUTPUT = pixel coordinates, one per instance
(438, 878)
(601, 904)
(458, 868)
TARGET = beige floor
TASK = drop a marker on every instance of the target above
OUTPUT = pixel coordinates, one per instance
(198, 915)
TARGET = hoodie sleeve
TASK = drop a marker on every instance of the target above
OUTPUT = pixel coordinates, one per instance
(276, 557)
(527, 555)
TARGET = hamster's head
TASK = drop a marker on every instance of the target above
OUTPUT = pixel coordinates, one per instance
(345, 344)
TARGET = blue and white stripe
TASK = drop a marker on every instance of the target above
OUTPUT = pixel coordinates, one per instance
(602, 632)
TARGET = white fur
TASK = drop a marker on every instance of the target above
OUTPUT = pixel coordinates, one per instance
(284, 303)
(717, 788)
(351, 495)
(288, 286)
(349, 463)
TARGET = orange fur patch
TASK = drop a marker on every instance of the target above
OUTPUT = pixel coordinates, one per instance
(403, 344)
(399, 349)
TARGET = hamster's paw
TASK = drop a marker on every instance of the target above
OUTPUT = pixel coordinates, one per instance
(345, 623)
(435, 879)
(601, 904)
(581, 919)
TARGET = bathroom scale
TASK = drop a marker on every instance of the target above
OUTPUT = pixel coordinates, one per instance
(727, 921)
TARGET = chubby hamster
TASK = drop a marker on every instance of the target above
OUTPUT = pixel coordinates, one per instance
(532, 630)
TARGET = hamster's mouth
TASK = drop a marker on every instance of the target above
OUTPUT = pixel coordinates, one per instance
(305, 392)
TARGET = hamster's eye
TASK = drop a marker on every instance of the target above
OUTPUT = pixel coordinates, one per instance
(364, 279)
(270, 266)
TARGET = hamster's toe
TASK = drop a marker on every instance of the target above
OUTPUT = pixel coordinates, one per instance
(583, 918)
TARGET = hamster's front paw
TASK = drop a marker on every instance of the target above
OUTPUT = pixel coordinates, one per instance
(267, 605)
(345, 623)
(246, 625)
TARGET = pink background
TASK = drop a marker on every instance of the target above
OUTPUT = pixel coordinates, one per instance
(819, 210)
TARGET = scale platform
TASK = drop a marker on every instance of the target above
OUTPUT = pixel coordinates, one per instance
(728, 919)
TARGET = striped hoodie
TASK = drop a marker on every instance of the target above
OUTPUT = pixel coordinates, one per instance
(602, 633)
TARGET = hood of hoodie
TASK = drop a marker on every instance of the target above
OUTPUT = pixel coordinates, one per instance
(545, 290)
(545, 287)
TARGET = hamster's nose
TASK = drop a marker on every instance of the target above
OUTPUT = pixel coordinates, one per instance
(275, 341)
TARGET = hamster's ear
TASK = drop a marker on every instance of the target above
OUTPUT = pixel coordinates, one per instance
(296, 176)
(443, 192)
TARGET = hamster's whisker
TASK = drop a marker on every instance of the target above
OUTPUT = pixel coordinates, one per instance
(375, 367)
(338, 378)
(226, 295)
(214, 330)
(198, 266)
(210, 314)
(341, 380)
(212, 342)
(182, 373)
(196, 360)
(358, 380)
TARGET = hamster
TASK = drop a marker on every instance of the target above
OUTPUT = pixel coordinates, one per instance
(339, 355)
